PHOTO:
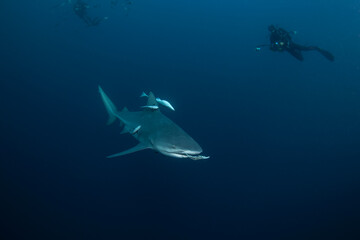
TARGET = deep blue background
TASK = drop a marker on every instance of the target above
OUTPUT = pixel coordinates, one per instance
(283, 135)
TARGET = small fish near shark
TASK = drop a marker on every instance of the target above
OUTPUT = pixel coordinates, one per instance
(161, 101)
(153, 130)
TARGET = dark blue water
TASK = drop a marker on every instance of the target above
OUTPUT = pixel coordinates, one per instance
(283, 135)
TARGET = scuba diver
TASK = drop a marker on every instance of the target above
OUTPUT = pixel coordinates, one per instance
(80, 9)
(280, 40)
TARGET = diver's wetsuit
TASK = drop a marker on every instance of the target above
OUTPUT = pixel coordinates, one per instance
(280, 40)
(80, 9)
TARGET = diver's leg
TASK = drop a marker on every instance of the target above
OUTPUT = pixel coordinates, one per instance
(87, 20)
(296, 53)
(95, 21)
(303, 48)
(323, 52)
(328, 55)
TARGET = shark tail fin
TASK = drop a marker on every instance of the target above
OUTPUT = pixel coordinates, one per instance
(109, 105)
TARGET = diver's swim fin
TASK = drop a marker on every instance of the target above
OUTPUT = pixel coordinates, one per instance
(326, 54)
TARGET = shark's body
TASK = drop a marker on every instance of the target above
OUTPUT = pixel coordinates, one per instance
(153, 130)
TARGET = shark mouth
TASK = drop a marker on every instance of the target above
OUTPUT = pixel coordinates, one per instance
(186, 155)
(197, 157)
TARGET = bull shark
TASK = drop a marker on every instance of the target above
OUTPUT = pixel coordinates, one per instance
(153, 130)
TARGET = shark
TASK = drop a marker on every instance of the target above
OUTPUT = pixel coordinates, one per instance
(153, 130)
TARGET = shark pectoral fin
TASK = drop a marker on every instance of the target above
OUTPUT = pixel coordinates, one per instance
(138, 147)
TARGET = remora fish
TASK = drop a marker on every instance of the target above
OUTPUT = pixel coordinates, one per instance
(165, 103)
(161, 101)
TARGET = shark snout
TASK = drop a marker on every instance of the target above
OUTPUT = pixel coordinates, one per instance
(180, 151)
(191, 152)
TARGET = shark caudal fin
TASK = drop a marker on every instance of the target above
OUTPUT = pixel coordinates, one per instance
(109, 105)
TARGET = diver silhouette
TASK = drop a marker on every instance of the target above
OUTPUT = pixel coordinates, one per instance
(280, 40)
(80, 8)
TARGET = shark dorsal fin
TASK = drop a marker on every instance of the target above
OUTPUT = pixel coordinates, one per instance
(151, 100)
